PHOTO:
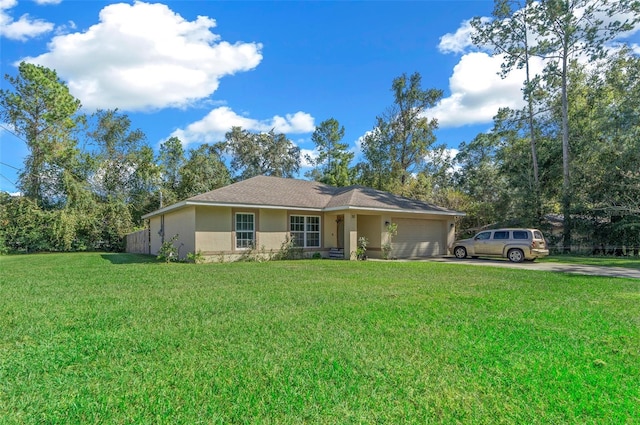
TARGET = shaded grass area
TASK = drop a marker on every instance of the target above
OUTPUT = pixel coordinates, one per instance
(607, 261)
(115, 338)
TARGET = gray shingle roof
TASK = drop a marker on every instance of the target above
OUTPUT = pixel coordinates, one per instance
(292, 193)
(271, 191)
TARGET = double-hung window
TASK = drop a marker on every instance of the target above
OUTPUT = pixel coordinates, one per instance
(305, 231)
(245, 230)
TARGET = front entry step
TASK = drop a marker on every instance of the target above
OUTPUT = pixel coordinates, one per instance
(336, 253)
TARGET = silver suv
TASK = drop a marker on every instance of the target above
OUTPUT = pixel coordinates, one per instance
(515, 244)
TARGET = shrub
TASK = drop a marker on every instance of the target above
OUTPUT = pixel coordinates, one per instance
(361, 252)
(288, 251)
(168, 251)
(251, 254)
(195, 257)
(392, 230)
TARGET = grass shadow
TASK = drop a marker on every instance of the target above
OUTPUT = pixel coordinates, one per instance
(125, 258)
(604, 261)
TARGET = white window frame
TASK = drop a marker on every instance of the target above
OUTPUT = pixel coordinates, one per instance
(252, 241)
(306, 232)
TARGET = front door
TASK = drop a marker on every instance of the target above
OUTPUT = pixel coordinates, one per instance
(340, 231)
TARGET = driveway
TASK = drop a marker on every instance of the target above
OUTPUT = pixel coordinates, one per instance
(549, 267)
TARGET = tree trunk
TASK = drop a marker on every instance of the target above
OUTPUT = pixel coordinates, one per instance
(532, 135)
(566, 182)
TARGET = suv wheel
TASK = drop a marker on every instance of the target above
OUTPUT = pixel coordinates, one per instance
(515, 255)
(460, 252)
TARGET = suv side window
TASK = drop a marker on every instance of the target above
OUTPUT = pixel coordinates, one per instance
(501, 235)
(483, 236)
(537, 235)
(520, 234)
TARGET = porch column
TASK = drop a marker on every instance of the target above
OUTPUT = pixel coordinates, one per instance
(350, 235)
(451, 234)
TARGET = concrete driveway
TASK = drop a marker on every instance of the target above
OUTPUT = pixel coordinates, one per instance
(549, 267)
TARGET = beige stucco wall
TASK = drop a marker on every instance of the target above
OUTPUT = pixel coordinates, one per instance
(273, 229)
(180, 222)
(156, 239)
(210, 230)
(213, 230)
(370, 227)
(350, 235)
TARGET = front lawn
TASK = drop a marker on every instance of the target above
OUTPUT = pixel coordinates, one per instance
(607, 261)
(116, 338)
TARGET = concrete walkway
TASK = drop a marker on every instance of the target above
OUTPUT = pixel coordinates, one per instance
(549, 267)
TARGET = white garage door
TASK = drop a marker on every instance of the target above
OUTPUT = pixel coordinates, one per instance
(419, 238)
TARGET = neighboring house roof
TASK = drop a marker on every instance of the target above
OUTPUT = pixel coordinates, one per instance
(276, 192)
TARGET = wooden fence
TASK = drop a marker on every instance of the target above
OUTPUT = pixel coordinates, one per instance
(138, 242)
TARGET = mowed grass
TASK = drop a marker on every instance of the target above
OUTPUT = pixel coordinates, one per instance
(607, 261)
(116, 338)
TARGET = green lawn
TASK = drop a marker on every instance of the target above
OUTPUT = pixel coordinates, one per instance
(114, 338)
(608, 261)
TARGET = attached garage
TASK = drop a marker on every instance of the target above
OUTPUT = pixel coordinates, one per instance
(419, 238)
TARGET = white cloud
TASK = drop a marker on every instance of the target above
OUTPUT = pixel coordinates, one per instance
(65, 28)
(300, 122)
(22, 29)
(477, 91)
(48, 1)
(459, 41)
(144, 56)
(216, 123)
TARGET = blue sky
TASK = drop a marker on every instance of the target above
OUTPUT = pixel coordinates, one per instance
(195, 68)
